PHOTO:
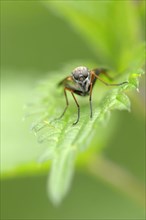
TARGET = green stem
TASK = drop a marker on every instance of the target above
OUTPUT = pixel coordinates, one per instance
(118, 177)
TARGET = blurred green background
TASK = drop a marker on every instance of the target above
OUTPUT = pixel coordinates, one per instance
(35, 41)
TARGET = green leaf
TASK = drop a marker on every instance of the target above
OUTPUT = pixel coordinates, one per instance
(64, 142)
(123, 102)
(61, 173)
(112, 30)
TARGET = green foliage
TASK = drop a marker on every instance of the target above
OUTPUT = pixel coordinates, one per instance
(65, 141)
(113, 32)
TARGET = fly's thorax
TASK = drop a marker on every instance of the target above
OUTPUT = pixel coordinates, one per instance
(81, 76)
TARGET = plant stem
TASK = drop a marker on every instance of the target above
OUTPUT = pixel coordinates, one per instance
(118, 177)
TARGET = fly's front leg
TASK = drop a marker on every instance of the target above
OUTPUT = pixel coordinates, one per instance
(92, 81)
(67, 104)
(90, 100)
(78, 117)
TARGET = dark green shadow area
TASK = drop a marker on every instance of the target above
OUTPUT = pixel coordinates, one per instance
(34, 39)
(127, 146)
(25, 198)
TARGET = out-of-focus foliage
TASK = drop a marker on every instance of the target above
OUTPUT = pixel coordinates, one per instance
(114, 32)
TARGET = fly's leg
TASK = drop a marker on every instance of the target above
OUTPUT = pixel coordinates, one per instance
(107, 84)
(67, 104)
(78, 117)
(90, 100)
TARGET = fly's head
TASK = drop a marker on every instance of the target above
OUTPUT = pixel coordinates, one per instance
(81, 76)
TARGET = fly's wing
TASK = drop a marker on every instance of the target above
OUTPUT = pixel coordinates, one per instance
(99, 71)
(104, 71)
(65, 81)
(69, 83)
